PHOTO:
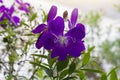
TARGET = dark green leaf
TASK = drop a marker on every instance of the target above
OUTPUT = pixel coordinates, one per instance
(63, 73)
(103, 77)
(40, 65)
(72, 67)
(70, 78)
(49, 72)
(39, 55)
(62, 65)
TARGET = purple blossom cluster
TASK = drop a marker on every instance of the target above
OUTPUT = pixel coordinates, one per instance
(7, 13)
(52, 36)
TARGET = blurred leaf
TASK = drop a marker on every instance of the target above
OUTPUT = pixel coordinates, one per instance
(91, 48)
(40, 65)
(13, 56)
(81, 74)
(70, 78)
(44, 16)
(103, 77)
(112, 70)
(85, 59)
(51, 62)
(92, 70)
(40, 73)
(63, 73)
(113, 75)
(39, 55)
(49, 72)
(72, 67)
(5, 21)
(23, 23)
(62, 65)
(33, 17)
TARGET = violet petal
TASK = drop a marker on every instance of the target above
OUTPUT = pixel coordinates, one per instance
(74, 16)
(60, 53)
(48, 39)
(16, 20)
(39, 28)
(57, 26)
(39, 43)
(76, 33)
(52, 13)
(75, 48)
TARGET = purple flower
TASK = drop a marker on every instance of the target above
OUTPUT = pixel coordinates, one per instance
(23, 6)
(8, 14)
(44, 28)
(73, 19)
(1, 1)
(62, 44)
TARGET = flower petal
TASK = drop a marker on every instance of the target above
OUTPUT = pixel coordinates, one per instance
(39, 43)
(27, 4)
(74, 49)
(24, 8)
(2, 8)
(57, 26)
(52, 13)
(74, 16)
(1, 1)
(48, 40)
(39, 28)
(19, 2)
(60, 53)
(11, 10)
(16, 20)
(77, 33)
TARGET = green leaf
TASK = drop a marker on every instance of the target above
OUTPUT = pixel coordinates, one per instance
(85, 59)
(62, 65)
(72, 67)
(70, 78)
(81, 74)
(33, 17)
(39, 55)
(103, 77)
(63, 73)
(4, 21)
(49, 72)
(113, 75)
(23, 23)
(45, 16)
(112, 70)
(91, 48)
(40, 65)
(92, 70)
(51, 62)
(40, 73)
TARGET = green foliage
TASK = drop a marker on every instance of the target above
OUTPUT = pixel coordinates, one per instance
(110, 51)
(33, 17)
(62, 64)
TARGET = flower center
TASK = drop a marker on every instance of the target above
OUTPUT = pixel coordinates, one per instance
(62, 41)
